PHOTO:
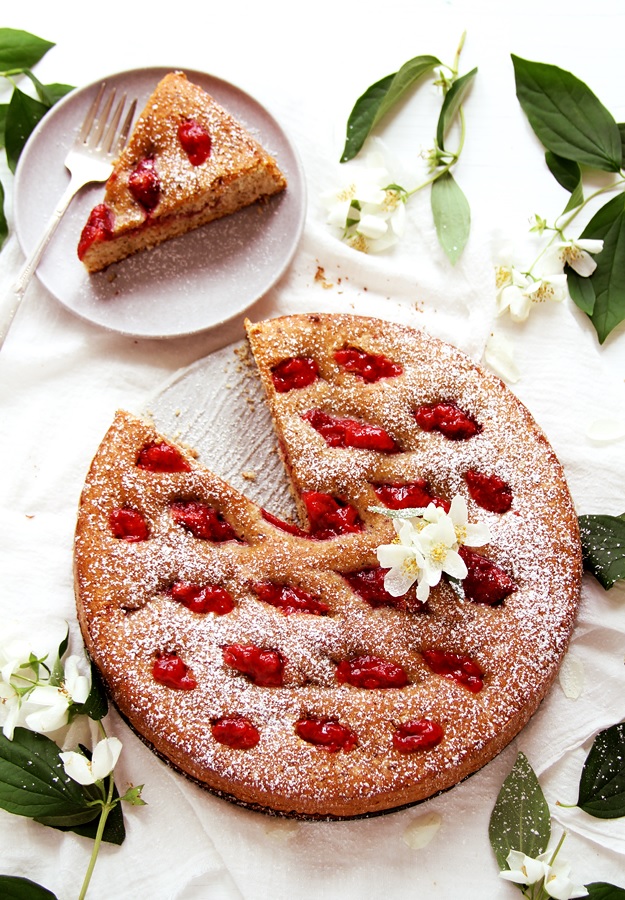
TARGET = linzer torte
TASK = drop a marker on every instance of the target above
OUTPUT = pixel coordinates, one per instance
(265, 658)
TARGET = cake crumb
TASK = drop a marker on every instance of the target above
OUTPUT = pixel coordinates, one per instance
(320, 276)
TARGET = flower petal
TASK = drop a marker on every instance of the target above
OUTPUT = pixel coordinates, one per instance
(105, 756)
(78, 767)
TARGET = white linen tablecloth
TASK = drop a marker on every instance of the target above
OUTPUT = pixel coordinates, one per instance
(61, 380)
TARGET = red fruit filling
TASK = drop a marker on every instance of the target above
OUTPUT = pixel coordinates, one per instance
(462, 669)
(489, 491)
(99, 227)
(202, 521)
(449, 419)
(330, 516)
(367, 366)
(326, 733)
(369, 585)
(145, 185)
(236, 732)
(350, 433)
(128, 525)
(295, 372)
(412, 495)
(422, 734)
(371, 672)
(290, 599)
(263, 667)
(485, 582)
(200, 598)
(171, 671)
(162, 457)
(289, 527)
(195, 140)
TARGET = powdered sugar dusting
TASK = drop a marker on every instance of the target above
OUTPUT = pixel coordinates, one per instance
(129, 616)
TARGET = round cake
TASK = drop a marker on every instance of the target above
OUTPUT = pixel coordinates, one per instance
(272, 661)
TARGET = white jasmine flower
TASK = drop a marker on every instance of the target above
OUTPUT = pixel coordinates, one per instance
(47, 709)
(576, 254)
(427, 545)
(403, 559)
(77, 678)
(523, 292)
(559, 885)
(103, 761)
(370, 210)
(524, 869)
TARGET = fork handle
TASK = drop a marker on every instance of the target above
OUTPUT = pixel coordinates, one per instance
(30, 266)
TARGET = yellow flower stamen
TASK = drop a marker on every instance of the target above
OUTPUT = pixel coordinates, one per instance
(358, 242)
(438, 554)
(410, 566)
(347, 193)
(503, 276)
(461, 533)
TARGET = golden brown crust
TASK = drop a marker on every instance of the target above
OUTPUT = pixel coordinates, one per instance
(128, 616)
(237, 173)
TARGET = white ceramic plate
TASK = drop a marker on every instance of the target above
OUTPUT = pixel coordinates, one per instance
(188, 284)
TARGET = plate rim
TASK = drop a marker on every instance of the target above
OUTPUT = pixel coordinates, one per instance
(156, 73)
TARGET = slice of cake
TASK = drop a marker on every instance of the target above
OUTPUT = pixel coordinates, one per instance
(187, 162)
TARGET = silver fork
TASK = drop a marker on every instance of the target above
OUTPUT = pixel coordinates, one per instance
(90, 159)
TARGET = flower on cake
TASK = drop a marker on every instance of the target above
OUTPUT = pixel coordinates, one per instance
(88, 771)
(426, 546)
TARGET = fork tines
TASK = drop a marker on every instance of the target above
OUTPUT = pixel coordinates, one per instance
(98, 132)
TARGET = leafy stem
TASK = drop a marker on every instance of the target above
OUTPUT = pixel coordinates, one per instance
(107, 805)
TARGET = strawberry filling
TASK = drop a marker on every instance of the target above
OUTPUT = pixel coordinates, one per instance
(326, 733)
(421, 734)
(330, 516)
(202, 521)
(489, 491)
(371, 673)
(461, 669)
(294, 373)
(452, 422)
(350, 433)
(203, 598)
(369, 585)
(128, 525)
(290, 599)
(367, 366)
(145, 185)
(485, 581)
(236, 732)
(263, 667)
(162, 457)
(170, 670)
(411, 495)
(195, 141)
(99, 228)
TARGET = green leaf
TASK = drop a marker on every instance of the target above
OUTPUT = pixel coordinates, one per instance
(566, 116)
(608, 279)
(520, 819)
(4, 225)
(581, 290)
(33, 782)
(452, 216)
(378, 99)
(4, 108)
(114, 828)
(621, 129)
(602, 782)
(49, 94)
(14, 888)
(22, 116)
(20, 49)
(603, 547)
(566, 172)
(451, 104)
(601, 890)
